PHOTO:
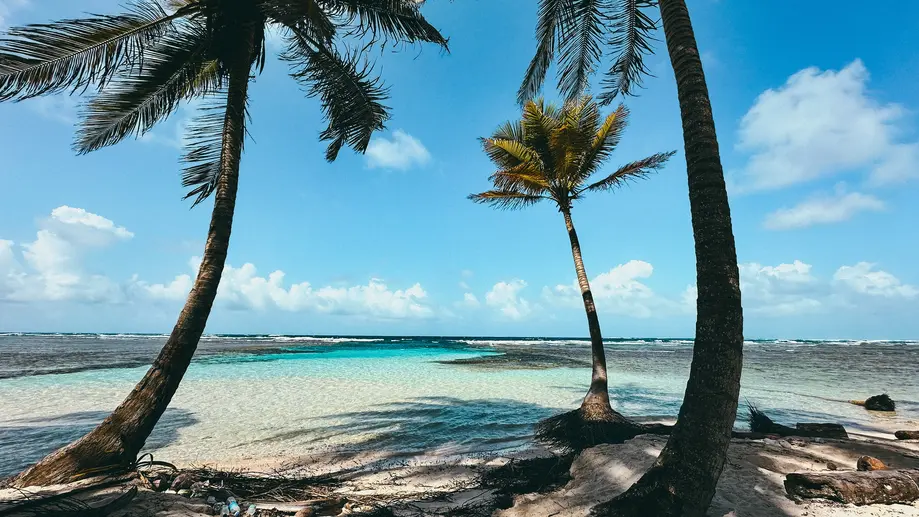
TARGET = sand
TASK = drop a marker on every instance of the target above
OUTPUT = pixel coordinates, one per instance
(750, 486)
(431, 484)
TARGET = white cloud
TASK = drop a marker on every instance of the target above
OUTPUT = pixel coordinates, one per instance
(52, 268)
(79, 217)
(172, 132)
(469, 300)
(792, 289)
(784, 289)
(862, 279)
(821, 123)
(505, 297)
(178, 289)
(402, 152)
(60, 108)
(466, 274)
(9, 7)
(617, 291)
(823, 209)
(242, 288)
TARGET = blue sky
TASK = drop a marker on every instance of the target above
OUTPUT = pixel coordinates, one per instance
(817, 125)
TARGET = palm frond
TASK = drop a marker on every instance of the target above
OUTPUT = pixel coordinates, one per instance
(350, 94)
(632, 32)
(580, 47)
(204, 149)
(538, 121)
(302, 16)
(76, 54)
(604, 142)
(400, 20)
(506, 199)
(570, 137)
(509, 153)
(510, 130)
(176, 68)
(636, 170)
(552, 14)
(521, 179)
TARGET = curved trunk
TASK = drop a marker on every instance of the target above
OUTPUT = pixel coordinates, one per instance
(115, 443)
(596, 404)
(682, 481)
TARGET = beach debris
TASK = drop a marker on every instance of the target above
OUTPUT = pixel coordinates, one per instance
(233, 506)
(831, 466)
(907, 435)
(76, 502)
(182, 481)
(869, 463)
(859, 488)
(305, 512)
(760, 423)
(881, 402)
(251, 510)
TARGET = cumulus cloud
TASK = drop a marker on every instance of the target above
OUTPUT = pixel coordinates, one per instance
(821, 123)
(51, 266)
(823, 209)
(80, 218)
(242, 288)
(505, 296)
(863, 279)
(619, 291)
(469, 300)
(401, 152)
(791, 289)
(785, 289)
(51, 269)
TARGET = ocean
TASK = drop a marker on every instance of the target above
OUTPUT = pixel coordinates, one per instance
(256, 398)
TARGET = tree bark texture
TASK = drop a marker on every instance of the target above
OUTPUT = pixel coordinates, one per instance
(873, 487)
(596, 404)
(115, 443)
(682, 481)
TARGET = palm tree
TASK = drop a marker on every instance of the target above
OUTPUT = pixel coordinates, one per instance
(682, 481)
(143, 63)
(552, 154)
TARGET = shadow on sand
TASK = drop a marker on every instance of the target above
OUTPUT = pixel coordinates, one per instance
(25, 441)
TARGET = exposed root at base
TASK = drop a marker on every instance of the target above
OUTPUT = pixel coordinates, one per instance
(572, 431)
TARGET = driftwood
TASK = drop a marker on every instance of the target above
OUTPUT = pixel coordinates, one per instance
(760, 423)
(822, 430)
(878, 486)
(333, 504)
(907, 435)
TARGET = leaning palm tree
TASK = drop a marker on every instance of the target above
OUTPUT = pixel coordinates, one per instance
(682, 481)
(142, 64)
(553, 154)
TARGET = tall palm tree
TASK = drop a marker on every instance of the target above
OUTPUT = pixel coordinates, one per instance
(143, 63)
(551, 154)
(682, 481)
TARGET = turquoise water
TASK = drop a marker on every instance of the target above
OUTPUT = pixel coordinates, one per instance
(253, 398)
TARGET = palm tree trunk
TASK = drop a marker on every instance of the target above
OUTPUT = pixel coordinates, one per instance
(116, 442)
(596, 406)
(682, 481)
